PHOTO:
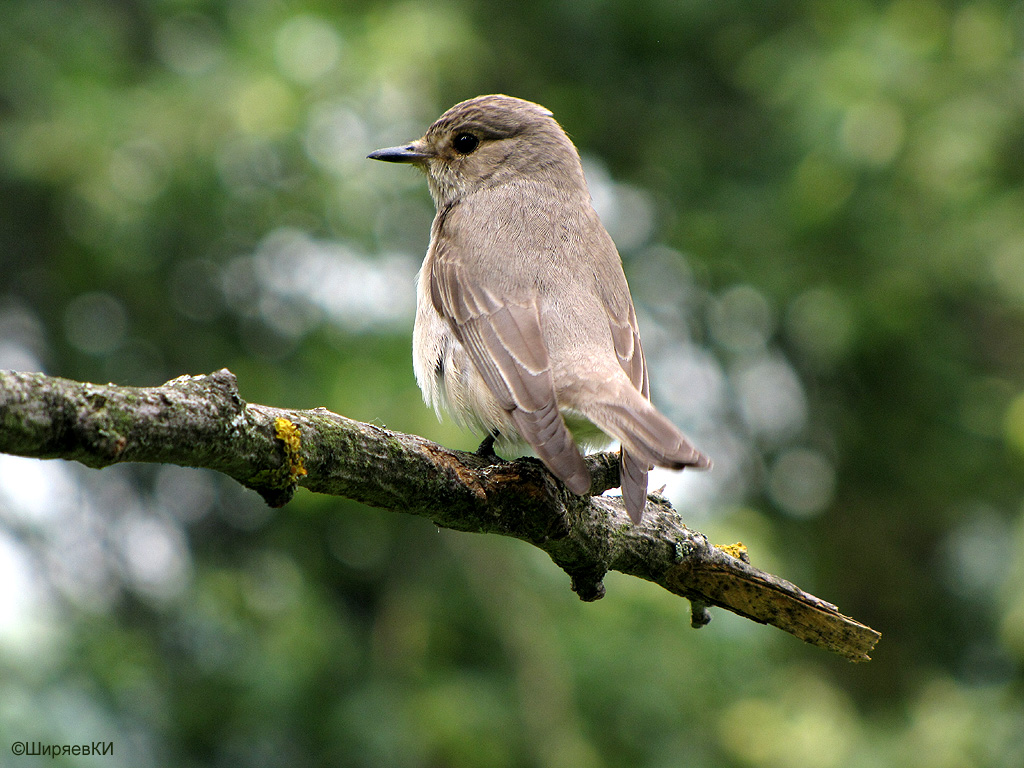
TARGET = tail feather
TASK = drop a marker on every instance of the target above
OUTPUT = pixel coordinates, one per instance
(645, 432)
(633, 476)
(648, 439)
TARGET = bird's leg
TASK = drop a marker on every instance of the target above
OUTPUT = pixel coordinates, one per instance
(486, 449)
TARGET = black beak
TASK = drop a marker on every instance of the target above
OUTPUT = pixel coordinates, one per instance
(409, 153)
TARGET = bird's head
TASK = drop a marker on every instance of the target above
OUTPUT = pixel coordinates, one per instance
(488, 141)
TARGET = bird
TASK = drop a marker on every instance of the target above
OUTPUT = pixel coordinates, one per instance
(525, 328)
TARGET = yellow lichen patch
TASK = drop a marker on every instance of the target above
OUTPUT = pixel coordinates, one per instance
(737, 550)
(289, 435)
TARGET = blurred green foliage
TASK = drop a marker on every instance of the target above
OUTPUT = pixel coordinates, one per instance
(820, 206)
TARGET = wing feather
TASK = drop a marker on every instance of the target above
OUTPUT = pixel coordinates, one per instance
(505, 342)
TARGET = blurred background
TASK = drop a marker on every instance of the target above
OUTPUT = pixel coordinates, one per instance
(820, 208)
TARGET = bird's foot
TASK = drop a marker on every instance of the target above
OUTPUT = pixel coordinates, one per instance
(486, 449)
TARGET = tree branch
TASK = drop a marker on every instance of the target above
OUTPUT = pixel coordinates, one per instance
(201, 421)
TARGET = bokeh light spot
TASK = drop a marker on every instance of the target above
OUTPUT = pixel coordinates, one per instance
(155, 556)
(820, 323)
(742, 320)
(307, 48)
(802, 482)
(873, 132)
(265, 107)
(188, 45)
(771, 398)
(96, 323)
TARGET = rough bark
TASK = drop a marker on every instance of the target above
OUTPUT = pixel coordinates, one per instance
(201, 421)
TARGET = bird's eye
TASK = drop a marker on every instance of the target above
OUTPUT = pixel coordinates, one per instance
(465, 143)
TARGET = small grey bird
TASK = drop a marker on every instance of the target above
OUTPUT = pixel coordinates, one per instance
(525, 328)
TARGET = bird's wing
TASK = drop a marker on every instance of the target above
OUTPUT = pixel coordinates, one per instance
(626, 338)
(505, 341)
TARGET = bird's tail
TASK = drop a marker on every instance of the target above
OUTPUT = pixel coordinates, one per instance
(631, 419)
(648, 440)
